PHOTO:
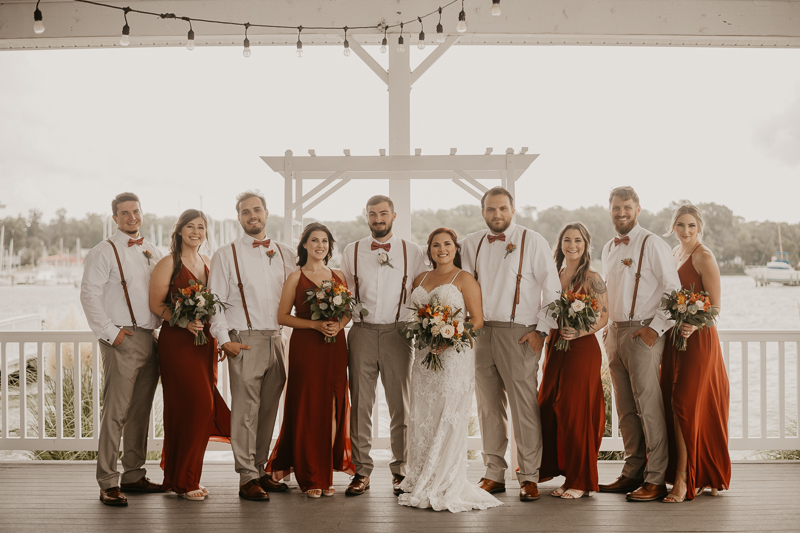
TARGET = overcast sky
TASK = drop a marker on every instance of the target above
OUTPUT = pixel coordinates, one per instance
(79, 126)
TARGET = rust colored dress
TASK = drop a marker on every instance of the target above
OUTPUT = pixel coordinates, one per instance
(572, 412)
(695, 387)
(317, 381)
(194, 411)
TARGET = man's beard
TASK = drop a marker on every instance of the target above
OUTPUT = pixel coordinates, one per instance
(625, 229)
(498, 227)
(379, 234)
(254, 230)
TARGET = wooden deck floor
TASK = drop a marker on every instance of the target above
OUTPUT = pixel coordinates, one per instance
(46, 496)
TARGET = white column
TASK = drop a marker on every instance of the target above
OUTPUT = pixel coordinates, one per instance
(400, 134)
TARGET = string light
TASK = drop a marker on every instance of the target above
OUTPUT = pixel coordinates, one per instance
(462, 19)
(385, 41)
(346, 44)
(299, 42)
(496, 8)
(246, 51)
(38, 25)
(440, 29)
(126, 30)
(401, 47)
(421, 42)
(190, 37)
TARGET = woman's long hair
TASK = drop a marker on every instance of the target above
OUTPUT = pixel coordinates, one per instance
(434, 233)
(579, 279)
(302, 253)
(176, 241)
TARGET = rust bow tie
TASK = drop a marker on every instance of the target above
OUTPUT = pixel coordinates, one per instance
(265, 244)
(491, 238)
(138, 241)
(378, 246)
(625, 240)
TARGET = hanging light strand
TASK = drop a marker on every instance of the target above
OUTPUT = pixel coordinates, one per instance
(496, 8)
(38, 24)
(246, 51)
(440, 29)
(126, 30)
(401, 47)
(299, 42)
(190, 35)
(462, 19)
(421, 42)
(346, 44)
(385, 41)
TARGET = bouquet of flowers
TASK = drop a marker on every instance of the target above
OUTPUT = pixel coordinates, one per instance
(331, 301)
(688, 307)
(574, 310)
(438, 327)
(195, 302)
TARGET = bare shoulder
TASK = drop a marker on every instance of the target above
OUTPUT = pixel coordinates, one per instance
(703, 258)
(206, 258)
(165, 262)
(294, 277)
(596, 283)
(465, 282)
(339, 274)
(419, 278)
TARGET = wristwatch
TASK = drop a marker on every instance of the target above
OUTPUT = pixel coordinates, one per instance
(542, 334)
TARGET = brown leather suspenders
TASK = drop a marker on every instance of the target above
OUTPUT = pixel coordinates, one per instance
(241, 287)
(638, 275)
(519, 270)
(124, 284)
(355, 275)
(403, 289)
(475, 270)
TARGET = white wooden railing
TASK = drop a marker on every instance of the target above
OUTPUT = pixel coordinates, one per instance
(762, 366)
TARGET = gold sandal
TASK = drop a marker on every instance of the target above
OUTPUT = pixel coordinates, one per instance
(673, 497)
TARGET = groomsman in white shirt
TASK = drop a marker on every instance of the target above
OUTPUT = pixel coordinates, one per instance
(515, 269)
(639, 269)
(248, 274)
(380, 270)
(115, 293)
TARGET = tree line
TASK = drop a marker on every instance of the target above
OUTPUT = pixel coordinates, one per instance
(732, 239)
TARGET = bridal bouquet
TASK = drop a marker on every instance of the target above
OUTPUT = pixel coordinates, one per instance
(688, 307)
(574, 310)
(331, 301)
(438, 327)
(195, 302)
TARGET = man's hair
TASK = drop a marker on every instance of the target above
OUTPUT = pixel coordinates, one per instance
(123, 197)
(624, 194)
(379, 199)
(246, 195)
(496, 191)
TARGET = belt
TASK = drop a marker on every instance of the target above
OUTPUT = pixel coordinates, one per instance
(632, 323)
(499, 324)
(135, 328)
(380, 327)
(262, 332)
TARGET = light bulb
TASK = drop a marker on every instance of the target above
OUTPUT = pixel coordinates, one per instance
(299, 48)
(401, 47)
(246, 51)
(421, 42)
(125, 39)
(421, 45)
(496, 8)
(38, 25)
(439, 33)
(383, 45)
(346, 48)
(190, 42)
(462, 22)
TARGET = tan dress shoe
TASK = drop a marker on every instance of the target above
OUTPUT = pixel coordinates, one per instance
(492, 487)
(143, 485)
(647, 493)
(528, 491)
(113, 496)
(252, 491)
(270, 485)
(396, 480)
(357, 486)
(622, 484)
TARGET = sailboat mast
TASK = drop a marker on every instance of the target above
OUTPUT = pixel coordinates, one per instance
(780, 242)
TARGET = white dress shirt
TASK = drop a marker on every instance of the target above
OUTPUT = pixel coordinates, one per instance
(659, 275)
(379, 286)
(102, 295)
(262, 280)
(497, 276)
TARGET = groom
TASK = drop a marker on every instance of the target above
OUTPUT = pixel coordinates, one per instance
(248, 274)
(517, 275)
(639, 269)
(380, 270)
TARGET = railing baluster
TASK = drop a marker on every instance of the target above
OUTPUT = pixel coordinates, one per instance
(76, 392)
(59, 392)
(745, 398)
(763, 386)
(4, 384)
(726, 357)
(96, 390)
(782, 388)
(797, 389)
(41, 385)
(23, 392)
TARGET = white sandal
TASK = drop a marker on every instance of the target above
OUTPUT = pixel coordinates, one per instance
(196, 495)
(314, 493)
(329, 492)
(575, 494)
(558, 492)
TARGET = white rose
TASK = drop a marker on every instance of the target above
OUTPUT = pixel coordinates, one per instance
(437, 319)
(447, 331)
(383, 257)
(323, 306)
(460, 328)
(578, 306)
(692, 309)
(436, 329)
(337, 300)
(200, 300)
(320, 294)
(681, 308)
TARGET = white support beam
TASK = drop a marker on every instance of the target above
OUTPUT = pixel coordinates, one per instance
(404, 162)
(325, 195)
(310, 194)
(467, 188)
(433, 57)
(472, 181)
(400, 135)
(365, 56)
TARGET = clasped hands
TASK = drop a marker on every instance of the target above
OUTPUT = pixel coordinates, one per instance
(328, 328)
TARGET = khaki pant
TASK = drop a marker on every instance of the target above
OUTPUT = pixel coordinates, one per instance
(378, 349)
(635, 368)
(130, 378)
(257, 379)
(506, 372)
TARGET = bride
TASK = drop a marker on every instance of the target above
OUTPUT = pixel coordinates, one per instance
(441, 400)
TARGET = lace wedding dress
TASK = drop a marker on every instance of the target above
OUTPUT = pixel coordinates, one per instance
(441, 401)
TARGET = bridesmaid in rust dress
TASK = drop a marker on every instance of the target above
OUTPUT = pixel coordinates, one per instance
(194, 411)
(315, 435)
(571, 395)
(694, 382)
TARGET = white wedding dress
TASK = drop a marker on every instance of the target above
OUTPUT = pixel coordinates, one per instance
(441, 401)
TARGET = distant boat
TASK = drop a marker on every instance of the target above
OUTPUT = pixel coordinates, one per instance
(779, 270)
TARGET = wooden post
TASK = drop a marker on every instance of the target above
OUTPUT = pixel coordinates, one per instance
(400, 135)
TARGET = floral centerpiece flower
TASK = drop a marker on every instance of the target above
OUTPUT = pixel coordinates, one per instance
(331, 301)
(688, 307)
(438, 327)
(195, 302)
(575, 310)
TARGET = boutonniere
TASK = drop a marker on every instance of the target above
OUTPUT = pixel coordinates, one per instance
(510, 247)
(148, 255)
(628, 262)
(270, 254)
(383, 259)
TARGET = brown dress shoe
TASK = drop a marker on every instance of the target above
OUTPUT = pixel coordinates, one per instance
(622, 484)
(396, 480)
(252, 491)
(358, 485)
(647, 493)
(492, 487)
(113, 496)
(528, 491)
(270, 485)
(143, 485)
